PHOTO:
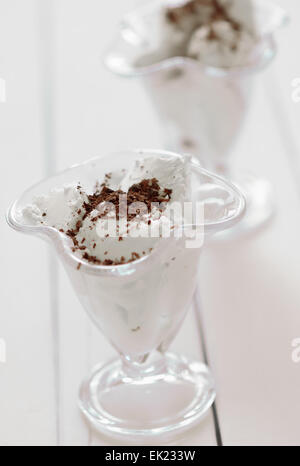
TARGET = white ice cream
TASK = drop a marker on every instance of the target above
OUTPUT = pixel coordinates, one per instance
(138, 306)
(202, 112)
(212, 31)
(59, 208)
(220, 45)
(140, 310)
(64, 209)
(171, 173)
(220, 33)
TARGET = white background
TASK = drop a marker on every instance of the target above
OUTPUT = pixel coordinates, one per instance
(62, 107)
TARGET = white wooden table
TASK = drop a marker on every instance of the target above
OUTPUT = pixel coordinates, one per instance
(63, 107)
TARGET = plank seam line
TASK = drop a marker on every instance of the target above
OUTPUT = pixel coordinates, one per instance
(45, 33)
(199, 320)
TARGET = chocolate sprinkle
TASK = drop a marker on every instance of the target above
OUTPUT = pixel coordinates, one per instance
(218, 13)
(147, 192)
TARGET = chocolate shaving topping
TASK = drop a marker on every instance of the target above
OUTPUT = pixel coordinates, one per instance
(92, 259)
(109, 262)
(174, 15)
(136, 329)
(135, 256)
(147, 192)
(218, 12)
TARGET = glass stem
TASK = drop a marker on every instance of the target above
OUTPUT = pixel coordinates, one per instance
(143, 366)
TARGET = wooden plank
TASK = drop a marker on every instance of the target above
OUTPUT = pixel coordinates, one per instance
(251, 298)
(74, 363)
(284, 88)
(27, 402)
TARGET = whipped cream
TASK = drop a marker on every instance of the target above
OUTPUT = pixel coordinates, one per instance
(208, 31)
(59, 208)
(170, 172)
(192, 103)
(87, 217)
(220, 33)
(220, 45)
(139, 307)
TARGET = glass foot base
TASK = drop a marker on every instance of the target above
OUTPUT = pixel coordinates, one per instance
(260, 208)
(169, 397)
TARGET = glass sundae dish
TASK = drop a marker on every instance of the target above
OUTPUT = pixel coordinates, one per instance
(134, 268)
(197, 60)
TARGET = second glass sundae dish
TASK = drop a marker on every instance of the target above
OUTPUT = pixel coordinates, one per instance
(197, 60)
(129, 229)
